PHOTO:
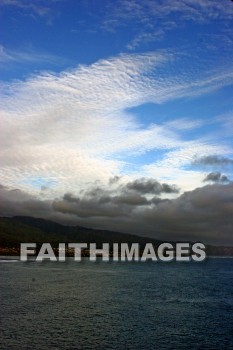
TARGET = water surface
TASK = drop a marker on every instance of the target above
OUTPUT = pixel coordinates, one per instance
(87, 305)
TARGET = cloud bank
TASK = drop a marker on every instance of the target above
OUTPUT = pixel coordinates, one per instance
(204, 214)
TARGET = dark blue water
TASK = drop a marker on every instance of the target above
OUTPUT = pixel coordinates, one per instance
(88, 305)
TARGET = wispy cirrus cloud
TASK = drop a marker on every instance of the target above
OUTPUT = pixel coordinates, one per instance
(145, 38)
(144, 13)
(39, 8)
(10, 57)
(157, 18)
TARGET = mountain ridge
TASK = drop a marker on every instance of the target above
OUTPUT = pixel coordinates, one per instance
(26, 229)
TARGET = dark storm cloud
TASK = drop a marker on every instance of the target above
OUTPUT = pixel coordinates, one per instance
(70, 198)
(132, 189)
(213, 161)
(204, 214)
(17, 202)
(151, 186)
(86, 208)
(113, 180)
(133, 199)
(216, 177)
(100, 202)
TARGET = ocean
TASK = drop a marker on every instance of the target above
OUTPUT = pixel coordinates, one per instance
(116, 305)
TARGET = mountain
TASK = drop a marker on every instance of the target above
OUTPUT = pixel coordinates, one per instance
(24, 229)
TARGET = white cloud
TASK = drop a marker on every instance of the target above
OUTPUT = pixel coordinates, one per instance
(31, 8)
(9, 57)
(145, 12)
(155, 19)
(73, 127)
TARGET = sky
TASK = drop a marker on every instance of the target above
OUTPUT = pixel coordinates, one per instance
(118, 115)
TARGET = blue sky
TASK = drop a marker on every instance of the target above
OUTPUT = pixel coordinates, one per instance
(135, 89)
